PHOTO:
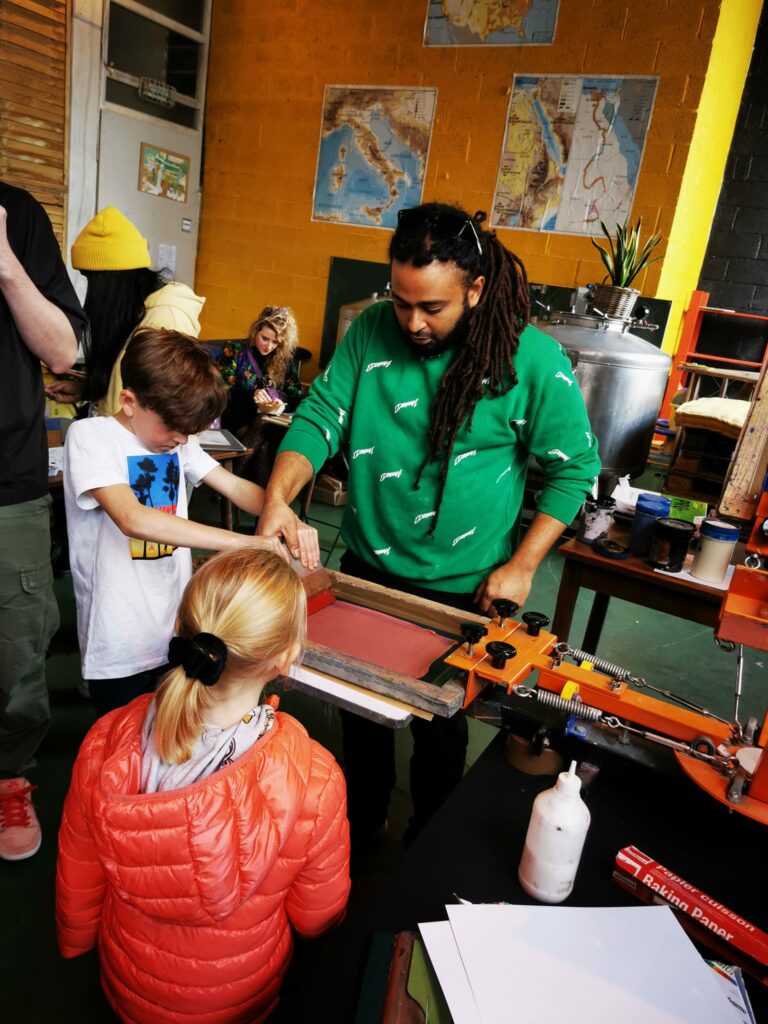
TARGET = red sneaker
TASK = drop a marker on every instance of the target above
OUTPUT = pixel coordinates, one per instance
(20, 834)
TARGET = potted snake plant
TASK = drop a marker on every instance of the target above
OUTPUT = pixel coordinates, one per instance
(624, 257)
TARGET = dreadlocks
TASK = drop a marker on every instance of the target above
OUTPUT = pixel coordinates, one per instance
(484, 362)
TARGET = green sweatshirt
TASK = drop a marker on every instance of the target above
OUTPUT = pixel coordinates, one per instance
(375, 396)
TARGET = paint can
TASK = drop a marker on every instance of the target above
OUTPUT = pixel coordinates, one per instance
(711, 561)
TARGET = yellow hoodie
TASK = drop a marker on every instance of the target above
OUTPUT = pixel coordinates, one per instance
(173, 307)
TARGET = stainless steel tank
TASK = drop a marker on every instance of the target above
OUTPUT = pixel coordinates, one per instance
(351, 310)
(622, 378)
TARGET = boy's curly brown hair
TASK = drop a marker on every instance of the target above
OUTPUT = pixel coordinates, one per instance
(174, 376)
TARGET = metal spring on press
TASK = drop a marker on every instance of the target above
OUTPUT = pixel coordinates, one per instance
(570, 707)
(608, 667)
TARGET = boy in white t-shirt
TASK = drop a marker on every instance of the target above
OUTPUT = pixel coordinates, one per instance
(126, 504)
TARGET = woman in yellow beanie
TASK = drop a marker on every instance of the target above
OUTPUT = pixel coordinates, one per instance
(123, 295)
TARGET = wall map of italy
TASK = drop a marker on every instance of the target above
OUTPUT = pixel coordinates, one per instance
(373, 153)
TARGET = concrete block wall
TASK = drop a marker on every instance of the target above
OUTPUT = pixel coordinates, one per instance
(735, 270)
(269, 65)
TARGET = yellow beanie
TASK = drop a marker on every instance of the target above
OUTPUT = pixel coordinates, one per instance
(110, 242)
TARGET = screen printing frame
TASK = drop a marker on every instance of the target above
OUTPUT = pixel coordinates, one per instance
(444, 700)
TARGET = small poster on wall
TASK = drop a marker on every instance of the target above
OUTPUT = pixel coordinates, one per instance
(490, 22)
(374, 144)
(572, 152)
(162, 173)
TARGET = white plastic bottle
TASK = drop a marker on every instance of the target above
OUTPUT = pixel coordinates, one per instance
(555, 839)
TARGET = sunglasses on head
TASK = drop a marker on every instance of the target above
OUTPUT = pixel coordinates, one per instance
(446, 224)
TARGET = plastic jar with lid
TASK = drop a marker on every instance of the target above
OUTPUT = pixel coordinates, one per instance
(711, 561)
(669, 544)
(648, 509)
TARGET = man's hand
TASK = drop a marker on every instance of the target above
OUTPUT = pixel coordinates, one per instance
(66, 391)
(513, 579)
(279, 520)
(506, 581)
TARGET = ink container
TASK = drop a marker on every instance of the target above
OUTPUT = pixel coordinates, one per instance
(649, 508)
(669, 544)
(715, 551)
(596, 519)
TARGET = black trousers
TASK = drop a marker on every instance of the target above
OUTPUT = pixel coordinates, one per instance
(108, 694)
(439, 746)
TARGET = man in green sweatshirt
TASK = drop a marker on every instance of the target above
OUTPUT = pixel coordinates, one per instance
(440, 397)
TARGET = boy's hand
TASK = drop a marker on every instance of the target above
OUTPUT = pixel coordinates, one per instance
(273, 544)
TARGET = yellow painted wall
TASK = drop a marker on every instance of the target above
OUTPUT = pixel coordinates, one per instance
(716, 117)
(270, 63)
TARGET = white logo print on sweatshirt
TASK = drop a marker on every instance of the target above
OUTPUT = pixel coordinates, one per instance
(362, 451)
(517, 423)
(325, 375)
(424, 515)
(588, 437)
(394, 475)
(559, 454)
(381, 551)
(375, 366)
(406, 405)
(503, 473)
(464, 455)
(562, 376)
(462, 536)
(342, 414)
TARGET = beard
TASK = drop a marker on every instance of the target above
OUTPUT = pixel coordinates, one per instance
(453, 339)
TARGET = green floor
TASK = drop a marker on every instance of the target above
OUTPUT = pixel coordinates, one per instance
(37, 986)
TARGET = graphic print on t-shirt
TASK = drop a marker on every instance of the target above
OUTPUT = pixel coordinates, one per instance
(154, 479)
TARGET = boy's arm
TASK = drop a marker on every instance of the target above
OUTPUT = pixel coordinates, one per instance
(250, 498)
(136, 520)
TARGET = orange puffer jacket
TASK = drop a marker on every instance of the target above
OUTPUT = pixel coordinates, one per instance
(191, 893)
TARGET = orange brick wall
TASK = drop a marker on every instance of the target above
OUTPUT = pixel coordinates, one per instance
(269, 65)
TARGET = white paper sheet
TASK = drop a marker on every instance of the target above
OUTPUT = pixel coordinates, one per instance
(449, 968)
(325, 686)
(685, 574)
(55, 461)
(604, 965)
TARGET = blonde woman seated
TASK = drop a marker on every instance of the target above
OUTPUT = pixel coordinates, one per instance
(259, 374)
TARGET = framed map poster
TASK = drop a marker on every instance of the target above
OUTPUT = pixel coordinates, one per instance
(162, 173)
(372, 157)
(490, 22)
(572, 151)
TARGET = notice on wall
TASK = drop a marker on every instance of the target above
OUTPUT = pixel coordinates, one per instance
(490, 22)
(373, 153)
(572, 152)
(166, 257)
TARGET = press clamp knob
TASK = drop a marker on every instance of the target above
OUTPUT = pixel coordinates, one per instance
(504, 608)
(473, 633)
(500, 653)
(535, 621)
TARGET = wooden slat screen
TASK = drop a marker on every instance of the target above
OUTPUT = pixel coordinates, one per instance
(33, 101)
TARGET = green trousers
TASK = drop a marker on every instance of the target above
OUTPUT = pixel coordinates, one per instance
(29, 617)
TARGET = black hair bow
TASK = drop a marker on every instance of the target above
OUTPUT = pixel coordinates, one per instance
(202, 657)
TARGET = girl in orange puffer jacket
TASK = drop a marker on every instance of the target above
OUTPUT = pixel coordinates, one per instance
(200, 825)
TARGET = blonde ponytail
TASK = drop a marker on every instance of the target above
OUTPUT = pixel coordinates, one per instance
(254, 603)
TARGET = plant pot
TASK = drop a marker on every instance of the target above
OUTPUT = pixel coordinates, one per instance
(614, 301)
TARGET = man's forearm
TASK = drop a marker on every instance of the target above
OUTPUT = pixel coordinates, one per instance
(543, 532)
(289, 474)
(43, 327)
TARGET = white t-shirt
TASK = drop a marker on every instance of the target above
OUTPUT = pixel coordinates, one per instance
(127, 591)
